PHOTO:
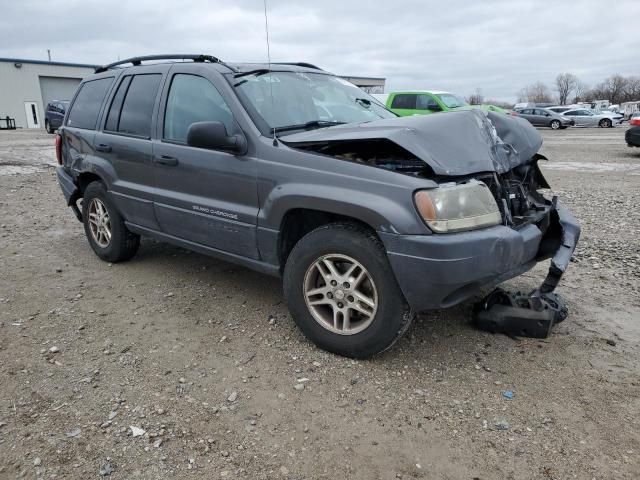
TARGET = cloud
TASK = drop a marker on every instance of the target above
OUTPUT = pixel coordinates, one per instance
(457, 45)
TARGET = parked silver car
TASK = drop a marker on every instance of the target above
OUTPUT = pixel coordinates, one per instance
(541, 117)
(587, 118)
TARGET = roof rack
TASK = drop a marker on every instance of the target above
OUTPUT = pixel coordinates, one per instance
(135, 61)
(299, 64)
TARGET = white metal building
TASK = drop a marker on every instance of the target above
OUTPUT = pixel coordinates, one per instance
(26, 86)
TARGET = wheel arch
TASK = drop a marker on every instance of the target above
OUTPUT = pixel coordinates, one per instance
(298, 222)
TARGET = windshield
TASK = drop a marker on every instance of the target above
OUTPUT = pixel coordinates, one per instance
(451, 101)
(303, 101)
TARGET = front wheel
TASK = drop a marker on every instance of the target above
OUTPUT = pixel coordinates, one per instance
(47, 127)
(342, 293)
(605, 123)
(555, 124)
(104, 226)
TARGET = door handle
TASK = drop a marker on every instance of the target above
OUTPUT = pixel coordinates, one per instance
(167, 160)
(103, 147)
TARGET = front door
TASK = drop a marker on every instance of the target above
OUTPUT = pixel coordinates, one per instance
(33, 118)
(208, 197)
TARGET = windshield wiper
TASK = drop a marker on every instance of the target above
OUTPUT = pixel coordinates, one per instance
(309, 125)
(365, 102)
(257, 73)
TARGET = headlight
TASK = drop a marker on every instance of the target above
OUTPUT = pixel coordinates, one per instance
(454, 208)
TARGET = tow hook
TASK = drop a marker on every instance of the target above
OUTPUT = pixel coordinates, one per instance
(520, 314)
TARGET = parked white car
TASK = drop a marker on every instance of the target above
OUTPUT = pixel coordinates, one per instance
(587, 118)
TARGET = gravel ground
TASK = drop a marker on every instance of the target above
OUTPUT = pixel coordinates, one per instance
(176, 365)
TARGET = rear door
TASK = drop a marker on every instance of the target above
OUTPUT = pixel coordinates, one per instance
(527, 113)
(404, 104)
(204, 196)
(125, 142)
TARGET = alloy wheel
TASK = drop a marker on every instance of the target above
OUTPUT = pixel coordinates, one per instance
(99, 223)
(340, 294)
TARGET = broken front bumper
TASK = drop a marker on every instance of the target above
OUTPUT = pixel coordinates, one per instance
(439, 271)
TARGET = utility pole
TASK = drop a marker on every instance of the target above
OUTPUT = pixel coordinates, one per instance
(49, 54)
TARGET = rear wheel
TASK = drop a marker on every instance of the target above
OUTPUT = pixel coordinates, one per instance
(605, 123)
(555, 124)
(104, 226)
(342, 293)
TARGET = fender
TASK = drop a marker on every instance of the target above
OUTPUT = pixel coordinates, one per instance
(96, 166)
(381, 213)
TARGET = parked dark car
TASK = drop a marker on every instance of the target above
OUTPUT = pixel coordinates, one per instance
(541, 117)
(54, 114)
(632, 136)
(294, 172)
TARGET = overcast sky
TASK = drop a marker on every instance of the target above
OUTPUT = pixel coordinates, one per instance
(456, 45)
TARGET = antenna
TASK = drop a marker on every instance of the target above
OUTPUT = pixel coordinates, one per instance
(266, 28)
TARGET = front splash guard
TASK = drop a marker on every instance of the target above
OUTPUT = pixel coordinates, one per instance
(533, 314)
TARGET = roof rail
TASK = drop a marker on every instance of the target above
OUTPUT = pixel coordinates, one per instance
(135, 61)
(299, 64)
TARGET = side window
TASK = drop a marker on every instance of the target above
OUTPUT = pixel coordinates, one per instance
(423, 101)
(405, 100)
(137, 108)
(113, 117)
(193, 99)
(85, 108)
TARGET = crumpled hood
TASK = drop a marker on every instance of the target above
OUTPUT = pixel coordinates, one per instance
(451, 143)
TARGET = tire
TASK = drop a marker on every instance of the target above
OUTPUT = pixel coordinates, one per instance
(605, 123)
(47, 127)
(121, 244)
(366, 334)
(555, 124)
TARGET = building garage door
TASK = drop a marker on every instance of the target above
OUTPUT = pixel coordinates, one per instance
(57, 88)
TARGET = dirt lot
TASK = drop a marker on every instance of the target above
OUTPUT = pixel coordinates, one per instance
(203, 356)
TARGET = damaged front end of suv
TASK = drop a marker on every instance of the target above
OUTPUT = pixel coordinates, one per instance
(490, 216)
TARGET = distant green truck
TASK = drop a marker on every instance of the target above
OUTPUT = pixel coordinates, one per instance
(422, 102)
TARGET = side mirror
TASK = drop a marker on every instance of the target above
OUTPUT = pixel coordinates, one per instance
(434, 107)
(213, 135)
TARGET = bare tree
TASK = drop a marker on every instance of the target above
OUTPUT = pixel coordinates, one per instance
(580, 92)
(612, 89)
(537, 92)
(632, 89)
(565, 84)
(476, 98)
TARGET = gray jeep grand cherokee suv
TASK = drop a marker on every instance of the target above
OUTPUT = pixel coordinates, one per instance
(294, 172)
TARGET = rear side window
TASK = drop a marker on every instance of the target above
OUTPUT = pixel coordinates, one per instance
(85, 109)
(193, 99)
(132, 106)
(113, 117)
(404, 100)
